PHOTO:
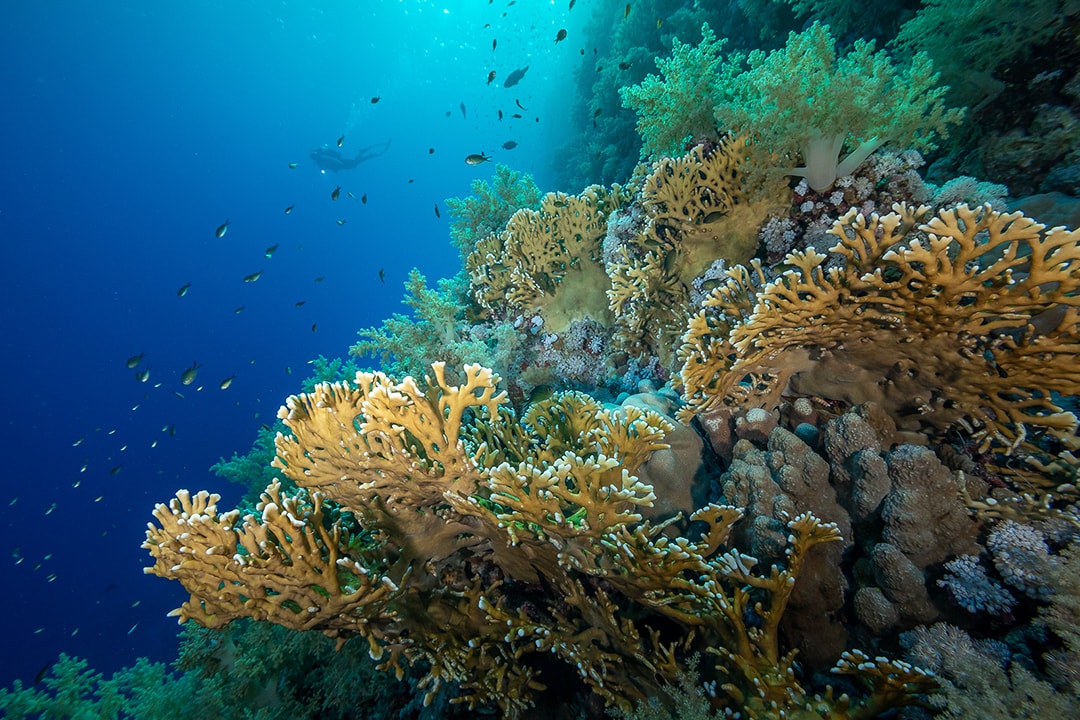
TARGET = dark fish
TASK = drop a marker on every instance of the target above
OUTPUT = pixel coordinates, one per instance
(583, 52)
(462, 106)
(253, 276)
(431, 151)
(624, 66)
(271, 250)
(518, 103)
(183, 290)
(571, 6)
(560, 36)
(515, 77)
(516, 116)
(116, 470)
(476, 159)
(293, 166)
(448, 113)
(491, 77)
(500, 114)
(494, 42)
(239, 309)
(289, 209)
(341, 141)
(509, 145)
(301, 303)
(335, 193)
(43, 672)
(626, 12)
(314, 326)
(222, 229)
(659, 23)
(412, 180)
(382, 275)
(376, 99)
(320, 278)
(188, 375)
(597, 112)
(437, 211)
(134, 360)
(363, 199)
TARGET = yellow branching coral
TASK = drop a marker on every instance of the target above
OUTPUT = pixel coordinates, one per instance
(971, 316)
(444, 530)
(697, 214)
(547, 260)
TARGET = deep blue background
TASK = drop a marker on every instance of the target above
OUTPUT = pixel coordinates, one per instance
(130, 131)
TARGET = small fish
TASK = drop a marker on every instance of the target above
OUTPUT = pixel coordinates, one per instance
(116, 470)
(491, 77)
(183, 290)
(449, 113)
(178, 394)
(43, 672)
(224, 384)
(516, 116)
(494, 42)
(500, 114)
(597, 113)
(239, 309)
(624, 66)
(313, 326)
(382, 275)
(253, 276)
(289, 209)
(431, 151)
(293, 166)
(626, 12)
(341, 141)
(560, 36)
(376, 99)
(135, 360)
(571, 6)
(476, 159)
(78, 442)
(300, 303)
(222, 229)
(53, 506)
(171, 429)
(515, 77)
(363, 199)
(188, 376)
(437, 211)
(288, 370)
(518, 103)
(659, 23)
(133, 628)
(271, 250)
(341, 221)
(462, 106)
(351, 195)
(509, 145)
(320, 278)
(143, 375)
(335, 193)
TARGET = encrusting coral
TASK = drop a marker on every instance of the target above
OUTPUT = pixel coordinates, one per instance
(443, 529)
(971, 317)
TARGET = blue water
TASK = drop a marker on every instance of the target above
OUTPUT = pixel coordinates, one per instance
(130, 131)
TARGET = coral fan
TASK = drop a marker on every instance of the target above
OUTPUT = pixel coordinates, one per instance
(442, 529)
(970, 317)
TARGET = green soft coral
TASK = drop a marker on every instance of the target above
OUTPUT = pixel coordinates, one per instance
(802, 102)
(489, 206)
(437, 328)
(677, 106)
